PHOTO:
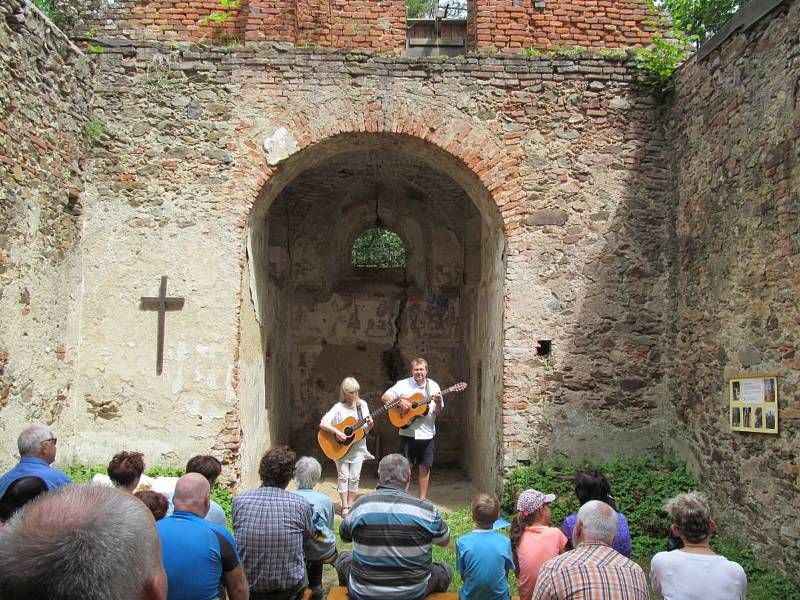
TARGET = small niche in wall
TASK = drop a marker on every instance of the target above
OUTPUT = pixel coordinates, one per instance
(545, 347)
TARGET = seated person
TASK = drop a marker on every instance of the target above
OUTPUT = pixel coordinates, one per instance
(321, 548)
(155, 502)
(125, 469)
(483, 557)
(591, 484)
(393, 534)
(210, 468)
(37, 451)
(18, 494)
(533, 541)
(695, 570)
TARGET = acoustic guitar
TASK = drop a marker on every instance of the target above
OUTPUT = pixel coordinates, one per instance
(419, 405)
(354, 430)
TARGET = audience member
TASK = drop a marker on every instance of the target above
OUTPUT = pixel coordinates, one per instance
(210, 468)
(322, 547)
(157, 503)
(198, 555)
(271, 526)
(18, 494)
(37, 450)
(82, 542)
(591, 484)
(533, 541)
(393, 533)
(695, 570)
(483, 557)
(125, 469)
(594, 570)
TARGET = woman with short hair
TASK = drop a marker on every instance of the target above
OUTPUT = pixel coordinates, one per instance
(349, 466)
(125, 469)
(695, 571)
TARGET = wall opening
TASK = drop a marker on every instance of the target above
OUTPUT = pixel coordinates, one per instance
(321, 317)
(378, 248)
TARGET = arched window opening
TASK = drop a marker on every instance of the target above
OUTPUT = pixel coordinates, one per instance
(378, 248)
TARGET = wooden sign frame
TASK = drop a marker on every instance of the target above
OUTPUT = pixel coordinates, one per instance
(753, 399)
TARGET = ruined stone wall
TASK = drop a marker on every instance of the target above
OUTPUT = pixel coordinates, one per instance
(377, 25)
(735, 131)
(45, 96)
(565, 153)
(511, 25)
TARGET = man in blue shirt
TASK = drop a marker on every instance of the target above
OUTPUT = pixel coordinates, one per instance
(37, 450)
(198, 556)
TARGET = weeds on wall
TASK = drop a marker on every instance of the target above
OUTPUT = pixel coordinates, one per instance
(220, 16)
(657, 63)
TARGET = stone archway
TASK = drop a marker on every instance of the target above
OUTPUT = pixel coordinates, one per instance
(310, 318)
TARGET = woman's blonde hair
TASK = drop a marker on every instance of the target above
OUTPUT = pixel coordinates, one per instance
(349, 384)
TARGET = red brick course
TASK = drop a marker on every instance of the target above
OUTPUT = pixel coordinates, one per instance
(380, 25)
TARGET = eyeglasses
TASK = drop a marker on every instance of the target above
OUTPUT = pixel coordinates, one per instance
(54, 440)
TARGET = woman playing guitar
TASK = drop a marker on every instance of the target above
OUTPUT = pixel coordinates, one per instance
(348, 466)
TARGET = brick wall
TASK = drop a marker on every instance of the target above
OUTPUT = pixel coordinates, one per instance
(380, 25)
(377, 25)
(511, 25)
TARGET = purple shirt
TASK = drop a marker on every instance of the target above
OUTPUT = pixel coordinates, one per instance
(622, 541)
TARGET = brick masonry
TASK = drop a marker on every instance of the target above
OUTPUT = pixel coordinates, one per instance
(380, 25)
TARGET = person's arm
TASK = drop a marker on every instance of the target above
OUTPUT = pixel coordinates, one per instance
(622, 543)
(459, 558)
(393, 393)
(544, 587)
(325, 424)
(655, 574)
(309, 529)
(235, 583)
(440, 530)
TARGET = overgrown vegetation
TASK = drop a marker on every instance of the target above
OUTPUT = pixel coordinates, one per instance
(70, 14)
(220, 16)
(381, 248)
(658, 62)
(700, 19)
(640, 487)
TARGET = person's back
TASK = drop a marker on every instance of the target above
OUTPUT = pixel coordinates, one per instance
(695, 571)
(483, 556)
(393, 535)
(594, 570)
(195, 555)
(679, 575)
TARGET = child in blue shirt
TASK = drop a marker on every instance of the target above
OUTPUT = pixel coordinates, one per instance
(483, 556)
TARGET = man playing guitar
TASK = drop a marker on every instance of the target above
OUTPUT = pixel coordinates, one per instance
(419, 437)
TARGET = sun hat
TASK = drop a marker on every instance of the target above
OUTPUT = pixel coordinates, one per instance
(530, 501)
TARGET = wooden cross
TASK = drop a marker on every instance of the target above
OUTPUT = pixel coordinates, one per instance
(162, 304)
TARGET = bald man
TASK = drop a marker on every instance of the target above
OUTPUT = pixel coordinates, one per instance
(199, 556)
(82, 541)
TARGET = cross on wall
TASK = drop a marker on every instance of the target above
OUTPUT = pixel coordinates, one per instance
(162, 303)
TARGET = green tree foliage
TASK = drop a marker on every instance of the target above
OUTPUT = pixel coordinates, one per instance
(69, 15)
(380, 248)
(700, 19)
(418, 9)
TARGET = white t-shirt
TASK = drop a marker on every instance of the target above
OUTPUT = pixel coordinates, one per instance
(340, 411)
(422, 428)
(678, 575)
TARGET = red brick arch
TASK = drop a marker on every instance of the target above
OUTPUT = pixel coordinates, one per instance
(467, 146)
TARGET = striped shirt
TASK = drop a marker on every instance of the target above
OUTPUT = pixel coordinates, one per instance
(592, 571)
(270, 525)
(393, 535)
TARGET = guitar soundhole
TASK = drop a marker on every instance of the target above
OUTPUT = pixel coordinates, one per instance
(348, 431)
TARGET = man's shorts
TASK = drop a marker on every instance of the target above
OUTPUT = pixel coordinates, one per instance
(419, 452)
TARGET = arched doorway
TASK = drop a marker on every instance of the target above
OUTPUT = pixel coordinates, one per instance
(311, 317)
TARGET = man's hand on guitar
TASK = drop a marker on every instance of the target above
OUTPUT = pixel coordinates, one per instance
(404, 406)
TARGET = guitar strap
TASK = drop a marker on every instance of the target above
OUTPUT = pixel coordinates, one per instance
(358, 411)
(427, 397)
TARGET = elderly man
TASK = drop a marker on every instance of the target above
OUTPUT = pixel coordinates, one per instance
(37, 450)
(393, 535)
(594, 570)
(198, 555)
(271, 525)
(82, 541)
